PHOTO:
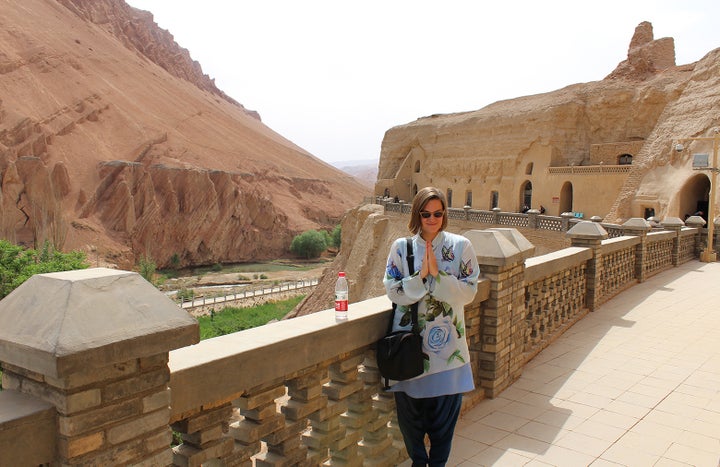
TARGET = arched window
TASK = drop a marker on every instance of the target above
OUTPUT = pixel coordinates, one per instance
(625, 159)
(529, 169)
(417, 167)
(494, 199)
(449, 197)
(468, 198)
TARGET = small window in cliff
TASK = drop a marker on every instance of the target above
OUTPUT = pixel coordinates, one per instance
(625, 159)
(494, 199)
(449, 197)
(528, 169)
(468, 198)
(417, 167)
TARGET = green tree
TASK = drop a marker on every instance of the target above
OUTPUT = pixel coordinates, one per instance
(309, 244)
(18, 264)
(336, 234)
(147, 268)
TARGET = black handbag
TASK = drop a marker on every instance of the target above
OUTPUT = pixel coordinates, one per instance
(399, 354)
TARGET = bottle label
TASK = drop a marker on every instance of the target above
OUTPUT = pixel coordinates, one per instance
(341, 305)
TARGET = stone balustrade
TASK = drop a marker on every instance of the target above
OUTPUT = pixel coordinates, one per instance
(100, 367)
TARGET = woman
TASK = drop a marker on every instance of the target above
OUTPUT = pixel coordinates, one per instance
(442, 280)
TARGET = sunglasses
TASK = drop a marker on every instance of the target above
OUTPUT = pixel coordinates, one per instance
(427, 214)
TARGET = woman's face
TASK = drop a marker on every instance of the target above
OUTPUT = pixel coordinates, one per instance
(431, 225)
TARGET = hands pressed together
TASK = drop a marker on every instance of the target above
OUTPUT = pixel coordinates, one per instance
(429, 264)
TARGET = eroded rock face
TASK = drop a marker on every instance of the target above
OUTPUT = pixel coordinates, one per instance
(113, 141)
(646, 55)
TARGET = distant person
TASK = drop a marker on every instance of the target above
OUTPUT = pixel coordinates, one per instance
(441, 280)
(396, 199)
(542, 209)
(525, 209)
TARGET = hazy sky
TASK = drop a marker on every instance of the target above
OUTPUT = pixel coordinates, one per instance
(333, 75)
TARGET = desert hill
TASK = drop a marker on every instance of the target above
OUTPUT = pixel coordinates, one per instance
(113, 141)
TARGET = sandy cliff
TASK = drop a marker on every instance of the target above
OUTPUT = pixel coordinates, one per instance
(112, 140)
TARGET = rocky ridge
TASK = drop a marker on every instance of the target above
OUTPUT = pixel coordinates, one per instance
(113, 141)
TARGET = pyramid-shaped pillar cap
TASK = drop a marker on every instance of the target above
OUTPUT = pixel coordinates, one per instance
(637, 223)
(61, 323)
(493, 247)
(588, 230)
(672, 223)
(517, 239)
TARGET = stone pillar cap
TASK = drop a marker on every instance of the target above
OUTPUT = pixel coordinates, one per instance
(493, 248)
(60, 323)
(672, 222)
(517, 239)
(588, 230)
(695, 221)
(637, 223)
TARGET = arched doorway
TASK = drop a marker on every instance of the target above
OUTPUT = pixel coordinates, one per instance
(526, 196)
(566, 198)
(694, 196)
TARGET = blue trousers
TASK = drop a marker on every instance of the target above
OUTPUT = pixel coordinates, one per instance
(434, 416)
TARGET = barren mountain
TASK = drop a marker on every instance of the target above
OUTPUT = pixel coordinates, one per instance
(112, 140)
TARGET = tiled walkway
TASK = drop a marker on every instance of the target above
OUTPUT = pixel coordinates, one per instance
(636, 383)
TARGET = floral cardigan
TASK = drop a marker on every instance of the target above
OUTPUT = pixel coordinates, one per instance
(441, 300)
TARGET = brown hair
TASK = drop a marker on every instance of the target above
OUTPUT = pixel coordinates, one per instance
(419, 201)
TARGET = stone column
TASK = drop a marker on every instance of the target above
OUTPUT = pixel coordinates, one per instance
(589, 234)
(496, 215)
(674, 224)
(566, 216)
(533, 218)
(638, 227)
(94, 343)
(500, 355)
(698, 222)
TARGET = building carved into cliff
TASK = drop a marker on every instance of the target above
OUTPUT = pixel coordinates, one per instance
(604, 148)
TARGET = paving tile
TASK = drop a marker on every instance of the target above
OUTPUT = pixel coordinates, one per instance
(482, 433)
(564, 457)
(616, 420)
(692, 455)
(649, 428)
(648, 444)
(465, 448)
(560, 418)
(599, 430)
(583, 443)
(629, 455)
(707, 442)
(496, 457)
(541, 431)
(504, 421)
(523, 410)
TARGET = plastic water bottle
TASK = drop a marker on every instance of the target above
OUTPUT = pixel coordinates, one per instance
(341, 297)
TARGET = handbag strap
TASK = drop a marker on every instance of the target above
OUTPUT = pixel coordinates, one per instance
(410, 259)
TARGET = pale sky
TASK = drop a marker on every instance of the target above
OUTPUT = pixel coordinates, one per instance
(333, 75)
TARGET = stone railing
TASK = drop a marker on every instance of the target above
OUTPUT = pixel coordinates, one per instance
(534, 220)
(590, 169)
(101, 367)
